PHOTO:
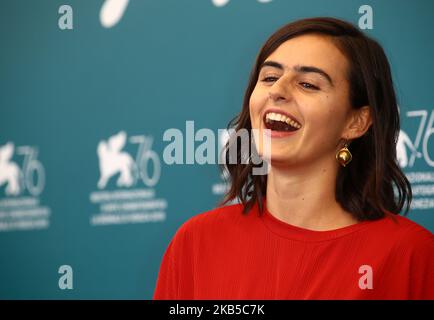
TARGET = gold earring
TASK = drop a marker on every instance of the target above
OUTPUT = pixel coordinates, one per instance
(344, 156)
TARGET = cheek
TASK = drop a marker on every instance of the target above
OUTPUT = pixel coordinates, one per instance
(328, 119)
(256, 103)
(254, 100)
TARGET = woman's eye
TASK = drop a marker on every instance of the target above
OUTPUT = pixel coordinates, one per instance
(269, 79)
(307, 85)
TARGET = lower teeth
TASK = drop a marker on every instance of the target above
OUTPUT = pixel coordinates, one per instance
(279, 126)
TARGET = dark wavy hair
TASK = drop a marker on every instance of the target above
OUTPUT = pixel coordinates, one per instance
(373, 182)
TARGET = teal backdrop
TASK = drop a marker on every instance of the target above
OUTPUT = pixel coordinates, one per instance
(87, 203)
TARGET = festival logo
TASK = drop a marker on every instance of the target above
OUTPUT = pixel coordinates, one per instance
(127, 183)
(23, 181)
(415, 151)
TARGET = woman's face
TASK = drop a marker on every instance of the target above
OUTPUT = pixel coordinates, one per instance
(303, 80)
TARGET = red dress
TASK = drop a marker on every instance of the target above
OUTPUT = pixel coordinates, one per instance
(223, 254)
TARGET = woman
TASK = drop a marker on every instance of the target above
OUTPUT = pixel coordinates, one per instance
(323, 223)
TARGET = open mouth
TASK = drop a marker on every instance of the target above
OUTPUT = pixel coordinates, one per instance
(280, 122)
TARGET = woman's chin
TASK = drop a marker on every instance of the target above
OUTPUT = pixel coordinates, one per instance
(279, 159)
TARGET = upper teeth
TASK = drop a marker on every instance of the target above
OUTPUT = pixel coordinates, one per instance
(283, 118)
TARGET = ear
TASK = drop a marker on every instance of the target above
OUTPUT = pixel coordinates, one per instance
(358, 123)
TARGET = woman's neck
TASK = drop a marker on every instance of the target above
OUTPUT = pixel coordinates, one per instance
(305, 197)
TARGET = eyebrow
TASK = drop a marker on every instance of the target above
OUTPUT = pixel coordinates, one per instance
(298, 69)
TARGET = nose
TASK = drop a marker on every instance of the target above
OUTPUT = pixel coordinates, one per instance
(279, 91)
(275, 96)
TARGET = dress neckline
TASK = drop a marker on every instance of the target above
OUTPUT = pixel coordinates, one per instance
(289, 231)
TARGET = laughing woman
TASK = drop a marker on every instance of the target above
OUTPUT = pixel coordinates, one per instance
(324, 222)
